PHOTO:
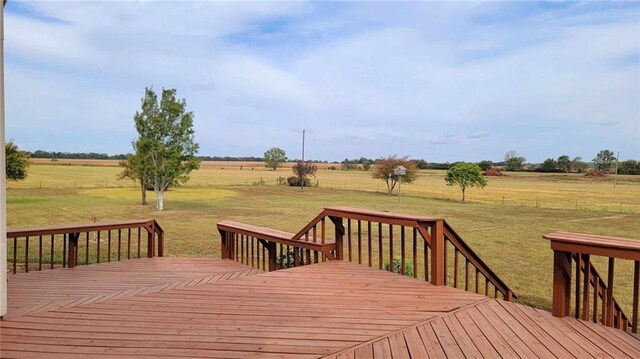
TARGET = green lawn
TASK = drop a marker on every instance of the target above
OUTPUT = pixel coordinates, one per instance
(507, 235)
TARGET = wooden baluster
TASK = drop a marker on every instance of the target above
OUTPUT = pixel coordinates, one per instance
(98, 246)
(349, 239)
(52, 250)
(495, 292)
(596, 289)
(578, 259)
(296, 257)
(391, 248)
(415, 252)
(281, 252)
(402, 252)
(370, 251)
(425, 255)
(636, 292)
(119, 243)
(380, 247)
(486, 286)
(128, 243)
(109, 247)
(477, 280)
(308, 256)
(466, 274)
(15, 255)
(315, 256)
(587, 275)
(455, 268)
(253, 244)
(444, 258)
(86, 249)
(272, 256)
(40, 253)
(610, 293)
(264, 256)
(26, 255)
(322, 231)
(359, 242)
(64, 250)
(258, 253)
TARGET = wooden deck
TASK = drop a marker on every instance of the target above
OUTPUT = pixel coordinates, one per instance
(219, 308)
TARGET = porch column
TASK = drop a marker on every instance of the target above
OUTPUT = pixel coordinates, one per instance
(3, 181)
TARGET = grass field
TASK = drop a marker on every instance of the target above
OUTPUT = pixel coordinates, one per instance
(502, 222)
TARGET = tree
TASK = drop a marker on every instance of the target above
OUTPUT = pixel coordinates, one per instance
(421, 164)
(165, 151)
(301, 170)
(604, 160)
(577, 165)
(16, 161)
(465, 175)
(384, 167)
(513, 162)
(564, 163)
(549, 165)
(629, 167)
(274, 157)
(485, 165)
(348, 165)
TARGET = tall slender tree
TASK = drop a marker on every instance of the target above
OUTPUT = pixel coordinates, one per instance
(165, 150)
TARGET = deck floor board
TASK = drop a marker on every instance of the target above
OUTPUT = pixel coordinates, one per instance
(168, 307)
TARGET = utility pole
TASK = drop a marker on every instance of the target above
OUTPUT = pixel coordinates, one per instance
(302, 177)
(615, 177)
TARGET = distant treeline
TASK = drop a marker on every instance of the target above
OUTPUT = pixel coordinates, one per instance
(77, 155)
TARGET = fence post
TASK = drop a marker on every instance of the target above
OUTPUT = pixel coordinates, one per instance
(337, 221)
(73, 249)
(561, 283)
(437, 252)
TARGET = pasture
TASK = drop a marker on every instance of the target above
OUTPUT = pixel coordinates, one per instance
(503, 223)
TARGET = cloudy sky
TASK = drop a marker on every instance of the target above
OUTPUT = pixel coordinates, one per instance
(439, 81)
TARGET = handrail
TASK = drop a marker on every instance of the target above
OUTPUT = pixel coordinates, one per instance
(51, 240)
(430, 233)
(579, 247)
(462, 246)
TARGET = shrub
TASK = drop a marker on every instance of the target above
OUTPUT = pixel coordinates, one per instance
(281, 181)
(397, 266)
(285, 259)
(294, 181)
(596, 173)
(493, 171)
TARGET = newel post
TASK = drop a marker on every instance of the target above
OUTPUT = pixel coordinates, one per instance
(151, 236)
(337, 221)
(271, 247)
(437, 252)
(561, 283)
(73, 249)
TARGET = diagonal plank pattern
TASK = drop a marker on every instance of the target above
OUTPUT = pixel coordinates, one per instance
(223, 309)
(46, 290)
(500, 329)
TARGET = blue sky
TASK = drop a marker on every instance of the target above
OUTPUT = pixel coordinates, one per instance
(439, 81)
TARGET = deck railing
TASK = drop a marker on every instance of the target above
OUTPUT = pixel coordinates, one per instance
(593, 297)
(422, 247)
(71, 245)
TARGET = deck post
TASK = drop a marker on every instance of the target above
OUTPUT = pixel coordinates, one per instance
(150, 245)
(73, 250)
(273, 252)
(3, 183)
(337, 221)
(437, 252)
(160, 243)
(561, 283)
(224, 245)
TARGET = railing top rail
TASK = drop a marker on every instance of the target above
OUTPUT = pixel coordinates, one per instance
(383, 214)
(272, 235)
(72, 228)
(608, 246)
